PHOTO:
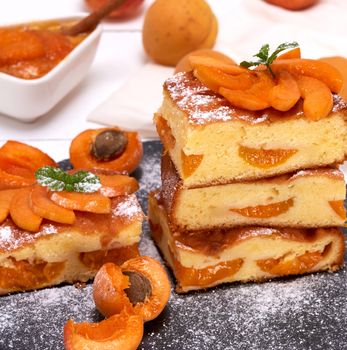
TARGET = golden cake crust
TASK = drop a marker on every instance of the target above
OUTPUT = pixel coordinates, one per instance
(203, 106)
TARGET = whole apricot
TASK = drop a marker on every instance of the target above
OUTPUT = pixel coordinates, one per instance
(184, 65)
(129, 8)
(173, 28)
(293, 4)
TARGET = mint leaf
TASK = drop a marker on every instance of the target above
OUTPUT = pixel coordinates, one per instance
(264, 57)
(281, 48)
(58, 180)
(87, 182)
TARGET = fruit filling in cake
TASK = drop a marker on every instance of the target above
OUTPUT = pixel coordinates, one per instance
(205, 258)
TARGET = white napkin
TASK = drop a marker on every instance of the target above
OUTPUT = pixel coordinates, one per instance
(243, 27)
(133, 105)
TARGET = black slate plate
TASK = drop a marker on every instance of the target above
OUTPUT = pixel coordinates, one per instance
(308, 312)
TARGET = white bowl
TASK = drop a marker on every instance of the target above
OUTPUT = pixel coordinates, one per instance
(29, 99)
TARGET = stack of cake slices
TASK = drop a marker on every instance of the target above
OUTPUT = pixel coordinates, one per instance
(246, 196)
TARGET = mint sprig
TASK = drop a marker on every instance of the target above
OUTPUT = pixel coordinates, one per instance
(58, 180)
(265, 58)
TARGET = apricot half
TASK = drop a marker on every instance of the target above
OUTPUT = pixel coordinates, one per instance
(82, 151)
(148, 302)
(143, 288)
(108, 290)
(184, 64)
(120, 332)
(173, 28)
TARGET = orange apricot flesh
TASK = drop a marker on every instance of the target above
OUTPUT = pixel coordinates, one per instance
(19, 45)
(190, 163)
(25, 156)
(184, 65)
(286, 93)
(117, 185)
(23, 275)
(113, 292)
(293, 53)
(339, 208)
(120, 332)
(21, 213)
(215, 78)
(265, 211)
(43, 206)
(5, 203)
(244, 99)
(13, 181)
(318, 100)
(206, 276)
(90, 202)
(265, 158)
(297, 265)
(210, 62)
(340, 63)
(320, 70)
(164, 132)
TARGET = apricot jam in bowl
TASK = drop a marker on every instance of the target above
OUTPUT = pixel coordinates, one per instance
(40, 65)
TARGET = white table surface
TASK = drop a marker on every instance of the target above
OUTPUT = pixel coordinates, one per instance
(120, 54)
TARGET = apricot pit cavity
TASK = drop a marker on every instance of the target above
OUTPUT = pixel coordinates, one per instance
(140, 287)
(109, 144)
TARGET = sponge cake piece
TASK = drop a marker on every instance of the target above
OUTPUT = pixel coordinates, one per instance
(203, 259)
(60, 253)
(212, 142)
(307, 198)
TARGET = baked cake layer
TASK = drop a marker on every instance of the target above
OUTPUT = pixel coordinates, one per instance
(307, 198)
(211, 141)
(68, 253)
(202, 259)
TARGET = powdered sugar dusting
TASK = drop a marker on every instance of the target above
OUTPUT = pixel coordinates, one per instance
(11, 237)
(303, 313)
(202, 105)
(128, 207)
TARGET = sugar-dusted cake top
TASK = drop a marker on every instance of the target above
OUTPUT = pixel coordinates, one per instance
(203, 106)
(125, 210)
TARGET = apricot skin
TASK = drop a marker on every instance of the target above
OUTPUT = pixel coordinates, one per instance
(120, 332)
(173, 28)
(184, 65)
(293, 4)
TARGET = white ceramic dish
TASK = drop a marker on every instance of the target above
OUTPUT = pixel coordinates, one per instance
(27, 100)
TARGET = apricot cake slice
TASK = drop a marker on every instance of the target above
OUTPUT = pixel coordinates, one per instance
(58, 252)
(202, 259)
(307, 198)
(210, 140)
